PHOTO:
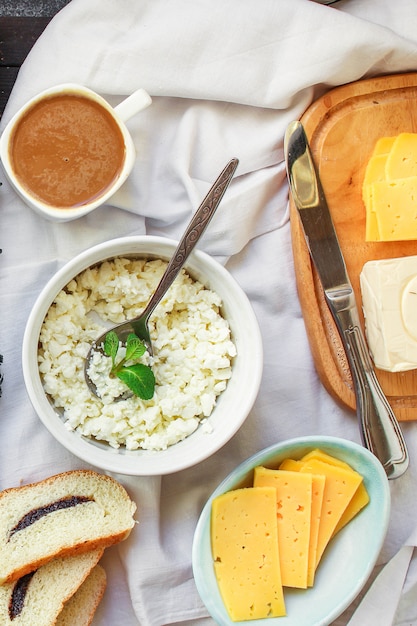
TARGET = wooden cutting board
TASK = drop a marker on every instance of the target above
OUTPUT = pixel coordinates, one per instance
(343, 127)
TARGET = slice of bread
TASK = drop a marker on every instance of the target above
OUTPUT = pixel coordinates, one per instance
(38, 598)
(81, 607)
(63, 515)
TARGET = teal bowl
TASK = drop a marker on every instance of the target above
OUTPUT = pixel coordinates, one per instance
(349, 558)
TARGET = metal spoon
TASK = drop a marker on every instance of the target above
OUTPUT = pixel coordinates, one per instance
(195, 229)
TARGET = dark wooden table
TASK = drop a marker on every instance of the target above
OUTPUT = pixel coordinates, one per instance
(21, 23)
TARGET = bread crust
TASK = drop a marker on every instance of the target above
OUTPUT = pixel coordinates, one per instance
(108, 520)
(80, 609)
(61, 476)
(49, 590)
(65, 552)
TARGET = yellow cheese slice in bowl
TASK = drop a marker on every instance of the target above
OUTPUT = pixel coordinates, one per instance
(360, 498)
(294, 493)
(246, 554)
(339, 489)
(318, 484)
(356, 546)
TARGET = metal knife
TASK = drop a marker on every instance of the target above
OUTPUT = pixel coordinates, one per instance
(380, 431)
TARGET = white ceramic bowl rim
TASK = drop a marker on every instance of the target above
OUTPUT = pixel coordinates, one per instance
(233, 405)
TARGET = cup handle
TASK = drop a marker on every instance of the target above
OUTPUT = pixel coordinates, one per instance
(137, 101)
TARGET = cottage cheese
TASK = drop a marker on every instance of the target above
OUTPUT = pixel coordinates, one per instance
(192, 361)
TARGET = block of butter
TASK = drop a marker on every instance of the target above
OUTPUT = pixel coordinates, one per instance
(389, 297)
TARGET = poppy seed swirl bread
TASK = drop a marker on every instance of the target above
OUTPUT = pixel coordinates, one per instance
(63, 515)
(40, 598)
(81, 607)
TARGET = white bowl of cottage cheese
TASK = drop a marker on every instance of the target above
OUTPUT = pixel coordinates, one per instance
(207, 358)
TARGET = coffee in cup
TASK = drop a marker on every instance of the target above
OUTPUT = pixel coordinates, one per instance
(67, 150)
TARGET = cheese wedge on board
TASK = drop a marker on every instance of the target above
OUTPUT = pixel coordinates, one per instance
(375, 172)
(383, 145)
(394, 204)
(402, 157)
(389, 189)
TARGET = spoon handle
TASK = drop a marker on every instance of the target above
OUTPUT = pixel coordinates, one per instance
(195, 229)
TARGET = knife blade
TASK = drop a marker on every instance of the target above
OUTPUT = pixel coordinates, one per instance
(379, 428)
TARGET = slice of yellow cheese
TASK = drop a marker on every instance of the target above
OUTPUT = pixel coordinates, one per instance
(340, 486)
(359, 500)
(402, 157)
(383, 145)
(375, 172)
(389, 189)
(293, 498)
(371, 228)
(395, 207)
(318, 482)
(244, 540)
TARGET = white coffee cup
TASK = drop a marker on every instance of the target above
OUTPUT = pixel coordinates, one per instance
(53, 210)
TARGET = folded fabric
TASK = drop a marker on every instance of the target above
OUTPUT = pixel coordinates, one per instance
(381, 603)
(226, 79)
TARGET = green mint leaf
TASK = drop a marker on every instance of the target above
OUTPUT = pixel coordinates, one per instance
(111, 345)
(135, 348)
(140, 379)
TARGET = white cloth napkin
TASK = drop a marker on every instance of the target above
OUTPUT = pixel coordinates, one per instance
(383, 601)
(226, 78)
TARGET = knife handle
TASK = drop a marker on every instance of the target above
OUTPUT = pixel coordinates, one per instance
(380, 430)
